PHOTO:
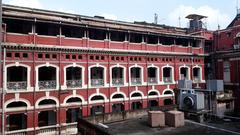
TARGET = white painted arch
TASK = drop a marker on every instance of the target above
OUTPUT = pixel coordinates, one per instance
(200, 68)
(153, 90)
(17, 100)
(141, 74)
(158, 73)
(188, 69)
(97, 94)
(124, 73)
(137, 91)
(17, 64)
(118, 92)
(168, 94)
(104, 74)
(172, 73)
(46, 65)
(65, 74)
(46, 98)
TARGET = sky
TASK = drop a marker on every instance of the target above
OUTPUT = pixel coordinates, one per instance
(170, 12)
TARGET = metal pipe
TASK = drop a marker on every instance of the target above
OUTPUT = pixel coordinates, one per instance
(1, 68)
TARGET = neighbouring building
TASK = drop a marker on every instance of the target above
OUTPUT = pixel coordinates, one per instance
(59, 66)
(225, 59)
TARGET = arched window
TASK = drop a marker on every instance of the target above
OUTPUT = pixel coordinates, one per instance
(17, 122)
(97, 98)
(47, 102)
(73, 77)
(136, 77)
(47, 77)
(117, 96)
(168, 92)
(152, 75)
(19, 82)
(136, 95)
(16, 104)
(97, 76)
(167, 75)
(117, 76)
(184, 74)
(74, 100)
(153, 93)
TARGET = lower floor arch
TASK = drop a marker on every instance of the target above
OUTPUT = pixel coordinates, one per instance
(47, 118)
(153, 103)
(168, 101)
(72, 115)
(16, 122)
(118, 107)
(97, 110)
(136, 105)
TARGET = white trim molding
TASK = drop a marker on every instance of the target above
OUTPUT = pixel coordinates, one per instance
(105, 100)
(154, 96)
(64, 86)
(37, 75)
(136, 91)
(73, 96)
(46, 98)
(17, 64)
(18, 108)
(200, 73)
(118, 92)
(167, 95)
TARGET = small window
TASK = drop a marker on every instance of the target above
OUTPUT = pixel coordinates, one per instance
(25, 55)
(79, 57)
(102, 57)
(156, 59)
(9, 55)
(91, 57)
(163, 59)
(74, 57)
(139, 58)
(117, 58)
(47, 56)
(166, 59)
(40, 56)
(17, 55)
(151, 59)
(186, 60)
(54, 56)
(122, 58)
(97, 58)
(135, 58)
(170, 59)
(112, 58)
(67, 56)
(131, 58)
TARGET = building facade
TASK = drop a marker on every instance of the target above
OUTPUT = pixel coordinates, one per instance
(225, 55)
(59, 66)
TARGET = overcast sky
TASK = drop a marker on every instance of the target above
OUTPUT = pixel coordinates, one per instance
(170, 12)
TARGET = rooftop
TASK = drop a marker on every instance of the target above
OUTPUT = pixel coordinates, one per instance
(140, 127)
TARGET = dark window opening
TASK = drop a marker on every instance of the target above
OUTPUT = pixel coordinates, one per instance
(74, 100)
(46, 118)
(136, 105)
(184, 73)
(102, 57)
(122, 58)
(152, 39)
(74, 57)
(167, 74)
(25, 55)
(9, 55)
(97, 110)
(16, 104)
(91, 58)
(74, 77)
(97, 76)
(167, 40)
(47, 102)
(16, 122)
(167, 92)
(182, 42)
(97, 98)
(47, 29)
(54, 56)
(112, 58)
(40, 56)
(47, 73)
(153, 93)
(73, 114)
(47, 56)
(135, 38)
(97, 57)
(67, 56)
(17, 55)
(117, 36)
(116, 108)
(153, 103)
(135, 72)
(18, 26)
(168, 101)
(117, 76)
(79, 57)
(136, 95)
(20, 72)
(97, 34)
(118, 96)
(70, 31)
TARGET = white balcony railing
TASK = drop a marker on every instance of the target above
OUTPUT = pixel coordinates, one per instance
(167, 79)
(48, 130)
(74, 83)
(97, 82)
(72, 129)
(196, 79)
(117, 81)
(17, 132)
(47, 84)
(17, 85)
(152, 80)
(136, 81)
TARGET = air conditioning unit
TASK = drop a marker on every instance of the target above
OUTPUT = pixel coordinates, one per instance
(215, 85)
(185, 84)
(191, 100)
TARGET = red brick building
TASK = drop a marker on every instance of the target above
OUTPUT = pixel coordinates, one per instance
(59, 66)
(226, 57)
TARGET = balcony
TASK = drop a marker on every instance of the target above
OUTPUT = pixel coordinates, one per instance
(118, 81)
(17, 132)
(196, 79)
(17, 85)
(47, 84)
(74, 83)
(97, 82)
(152, 80)
(136, 81)
(72, 128)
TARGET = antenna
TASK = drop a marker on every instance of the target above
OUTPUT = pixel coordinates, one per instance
(155, 18)
(179, 21)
